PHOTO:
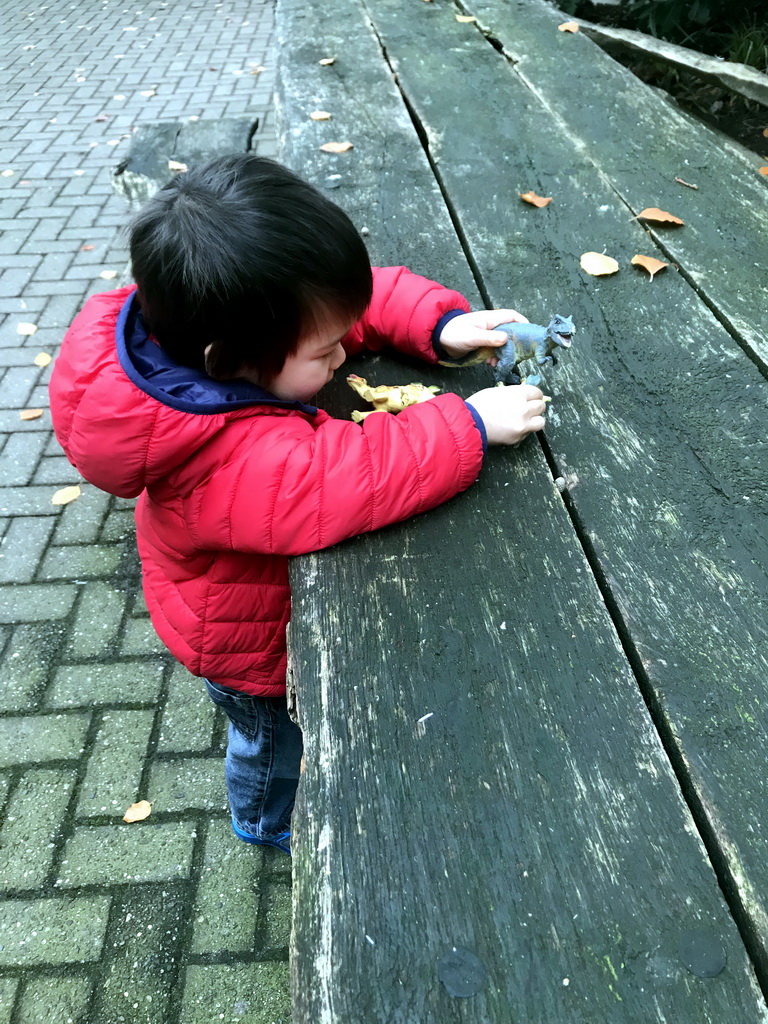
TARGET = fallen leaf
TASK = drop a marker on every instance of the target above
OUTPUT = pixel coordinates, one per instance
(66, 494)
(87, 248)
(138, 812)
(658, 216)
(320, 115)
(598, 264)
(533, 199)
(108, 274)
(765, 132)
(258, 70)
(43, 359)
(649, 263)
(174, 165)
(8, 173)
(568, 26)
(764, 170)
(326, 61)
(30, 414)
(336, 147)
(27, 330)
(465, 19)
(149, 92)
(102, 117)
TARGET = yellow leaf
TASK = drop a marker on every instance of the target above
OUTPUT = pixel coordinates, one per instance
(108, 274)
(658, 216)
(174, 165)
(43, 359)
(533, 199)
(26, 329)
(598, 264)
(138, 812)
(258, 70)
(336, 147)
(326, 61)
(30, 414)
(764, 170)
(320, 115)
(649, 263)
(8, 173)
(149, 92)
(465, 19)
(66, 494)
(568, 26)
(765, 132)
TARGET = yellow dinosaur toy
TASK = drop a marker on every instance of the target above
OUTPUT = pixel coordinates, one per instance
(385, 398)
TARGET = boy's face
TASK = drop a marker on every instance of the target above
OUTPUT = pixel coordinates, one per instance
(313, 363)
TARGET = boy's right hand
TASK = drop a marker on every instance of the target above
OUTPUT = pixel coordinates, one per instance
(509, 413)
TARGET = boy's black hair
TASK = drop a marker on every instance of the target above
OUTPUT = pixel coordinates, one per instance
(242, 255)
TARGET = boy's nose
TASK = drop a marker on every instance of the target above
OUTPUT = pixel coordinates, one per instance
(339, 356)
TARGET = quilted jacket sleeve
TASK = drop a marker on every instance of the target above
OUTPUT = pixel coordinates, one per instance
(403, 312)
(301, 486)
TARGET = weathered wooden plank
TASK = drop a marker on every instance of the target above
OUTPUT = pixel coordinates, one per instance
(659, 426)
(641, 142)
(739, 78)
(532, 817)
(154, 147)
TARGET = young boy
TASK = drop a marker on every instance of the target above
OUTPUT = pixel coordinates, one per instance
(193, 392)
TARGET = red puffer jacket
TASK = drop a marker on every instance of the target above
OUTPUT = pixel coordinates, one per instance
(231, 480)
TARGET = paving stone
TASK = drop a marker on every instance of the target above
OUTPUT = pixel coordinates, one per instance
(53, 930)
(139, 605)
(55, 999)
(55, 469)
(126, 682)
(189, 714)
(81, 521)
(254, 992)
(276, 929)
(141, 638)
(35, 602)
(227, 897)
(20, 456)
(26, 662)
(188, 783)
(119, 525)
(32, 818)
(97, 622)
(8, 989)
(17, 383)
(143, 949)
(40, 738)
(89, 560)
(29, 501)
(5, 785)
(22, 547)
(114, 768)
(140, 852)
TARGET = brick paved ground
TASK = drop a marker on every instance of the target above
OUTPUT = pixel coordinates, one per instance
(170, 921)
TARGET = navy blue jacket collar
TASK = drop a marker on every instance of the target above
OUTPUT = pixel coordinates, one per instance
(181, 387)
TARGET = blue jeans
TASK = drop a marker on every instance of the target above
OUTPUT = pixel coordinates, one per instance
(263, 760)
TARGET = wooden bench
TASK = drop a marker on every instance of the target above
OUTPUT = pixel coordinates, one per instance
(534, 717)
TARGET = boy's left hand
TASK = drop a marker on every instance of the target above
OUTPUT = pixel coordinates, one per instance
(469, 331)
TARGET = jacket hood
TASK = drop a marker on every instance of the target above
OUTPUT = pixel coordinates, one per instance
(124, 412)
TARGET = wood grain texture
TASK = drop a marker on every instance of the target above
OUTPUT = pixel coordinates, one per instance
(640, 141)
(482, 772)
(659, 423)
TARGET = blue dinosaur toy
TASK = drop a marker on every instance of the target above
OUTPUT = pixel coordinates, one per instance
(528, 341)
